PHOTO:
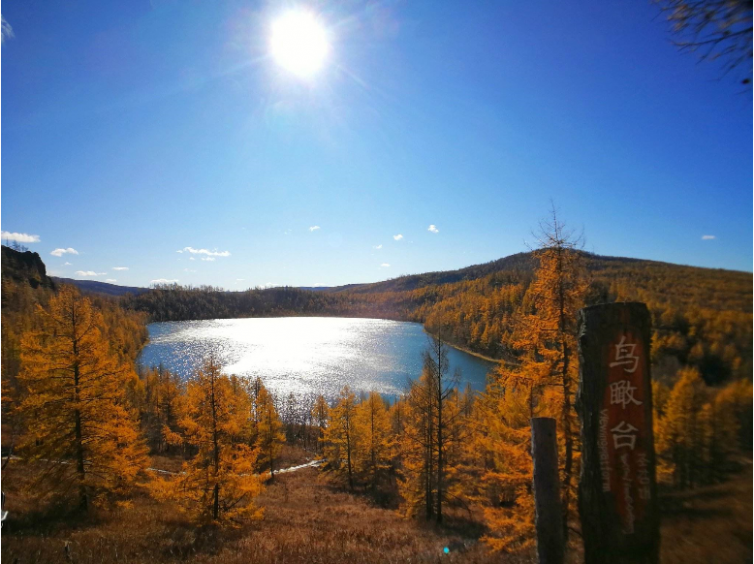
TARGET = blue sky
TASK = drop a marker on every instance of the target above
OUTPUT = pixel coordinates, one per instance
(133, 130)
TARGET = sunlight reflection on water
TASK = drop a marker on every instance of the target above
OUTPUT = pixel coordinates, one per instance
(305, 354)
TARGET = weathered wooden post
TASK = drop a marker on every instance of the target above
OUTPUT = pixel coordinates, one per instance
(617, 491)
(548, 511)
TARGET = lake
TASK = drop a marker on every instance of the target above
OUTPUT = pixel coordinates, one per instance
(306, 354)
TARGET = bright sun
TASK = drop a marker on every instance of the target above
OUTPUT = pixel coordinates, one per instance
(299, 43)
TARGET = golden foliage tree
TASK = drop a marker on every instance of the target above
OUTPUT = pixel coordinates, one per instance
(218, 483)
(81, 428)
(415, 420)
(547, 333)
(162, 398)
(683, 443)
(270, 435)
(430, 433)
(341, 435)
(319, 415)
(373, 430)
(503, 442)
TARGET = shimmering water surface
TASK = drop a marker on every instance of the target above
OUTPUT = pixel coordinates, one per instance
(303, 354)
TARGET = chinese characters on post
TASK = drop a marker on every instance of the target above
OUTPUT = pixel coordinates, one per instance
(617, 499)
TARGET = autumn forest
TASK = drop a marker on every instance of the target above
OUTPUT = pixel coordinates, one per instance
(91, 438)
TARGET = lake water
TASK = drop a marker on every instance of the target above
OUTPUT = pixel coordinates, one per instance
(306, 354)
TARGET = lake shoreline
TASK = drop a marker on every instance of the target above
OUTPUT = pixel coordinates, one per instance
(301, 354)
(468, 351)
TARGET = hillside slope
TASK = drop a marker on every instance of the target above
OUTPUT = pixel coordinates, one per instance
(104, 288)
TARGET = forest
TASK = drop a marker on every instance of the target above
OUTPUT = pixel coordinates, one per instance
(92, 438)
(701, 317)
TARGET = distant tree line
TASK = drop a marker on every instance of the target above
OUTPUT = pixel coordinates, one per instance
(701, 317)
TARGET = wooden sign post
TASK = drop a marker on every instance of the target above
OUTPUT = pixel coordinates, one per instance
(617, 490)
(548, 514)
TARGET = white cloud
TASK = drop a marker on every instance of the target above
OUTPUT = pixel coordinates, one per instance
(240, 279)
(19, 237)
(707, 237)
(61, 252)
(270, 285)
(433, 229)
(89, 273)
(6, 30)
(384, 265)
(378, 247)
(110, 280)
(398, 237)
(192, 258)
(120, 268)
(207, 252)
(314, 228)
(163, 281)
(188, 270)
(67, 263)
(208, 259)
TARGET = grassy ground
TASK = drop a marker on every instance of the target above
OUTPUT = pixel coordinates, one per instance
(311, 520)
(711, 524)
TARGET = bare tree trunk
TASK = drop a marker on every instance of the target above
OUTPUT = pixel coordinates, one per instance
(216, 458)
(440, 438)
(83, 498)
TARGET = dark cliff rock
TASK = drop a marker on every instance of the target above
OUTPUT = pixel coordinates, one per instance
(25, 267)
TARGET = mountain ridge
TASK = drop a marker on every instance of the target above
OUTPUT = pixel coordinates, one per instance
(522, 262)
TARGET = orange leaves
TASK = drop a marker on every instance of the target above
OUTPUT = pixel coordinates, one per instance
(83, 431)
(219, 482)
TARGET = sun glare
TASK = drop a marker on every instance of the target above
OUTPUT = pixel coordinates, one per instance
(299, 43)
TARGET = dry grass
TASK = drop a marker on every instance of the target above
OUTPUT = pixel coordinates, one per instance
(711, 524)
(309, 519)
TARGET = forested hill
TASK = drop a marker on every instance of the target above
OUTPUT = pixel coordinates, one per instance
(701, 317)
(104, 288)
(25, 287)
(520, 264)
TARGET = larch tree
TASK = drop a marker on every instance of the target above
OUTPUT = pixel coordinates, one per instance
(218, 483)
(374, 434)
(414, 421)
(341, 435)
(430, 426)
(319, 415)
(546, 333)
(442, 386)
(715, 29)
(270, 435)
(81, 429)
(503, 444)
(682, 444)
(162, 408)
